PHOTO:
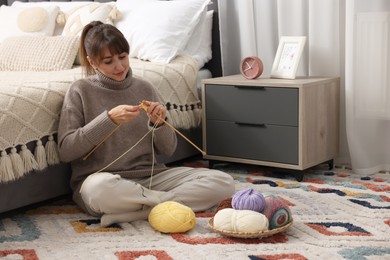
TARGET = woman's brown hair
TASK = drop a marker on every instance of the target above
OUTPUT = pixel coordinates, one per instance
(95, 37)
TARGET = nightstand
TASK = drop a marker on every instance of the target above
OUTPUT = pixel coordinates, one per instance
(282, 123)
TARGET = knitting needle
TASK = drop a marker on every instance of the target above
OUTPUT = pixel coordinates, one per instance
(145, 108)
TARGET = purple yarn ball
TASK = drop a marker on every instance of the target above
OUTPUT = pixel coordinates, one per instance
(248, 199)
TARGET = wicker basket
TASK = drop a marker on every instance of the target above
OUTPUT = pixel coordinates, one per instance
(261, 234)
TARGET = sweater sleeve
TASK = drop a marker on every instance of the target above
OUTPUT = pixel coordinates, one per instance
(75, 139)
(165, 140)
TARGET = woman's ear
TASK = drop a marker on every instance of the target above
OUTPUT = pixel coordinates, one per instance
(91, 62)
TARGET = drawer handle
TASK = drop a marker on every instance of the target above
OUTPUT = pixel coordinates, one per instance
(249, 87)
(250, 124)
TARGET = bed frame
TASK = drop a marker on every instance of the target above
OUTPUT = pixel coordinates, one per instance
(53, 182)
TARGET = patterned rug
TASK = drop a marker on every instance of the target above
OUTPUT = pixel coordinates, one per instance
(337, 215)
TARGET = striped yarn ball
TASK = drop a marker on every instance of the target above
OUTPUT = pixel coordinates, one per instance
(248, 199)
(277, 212)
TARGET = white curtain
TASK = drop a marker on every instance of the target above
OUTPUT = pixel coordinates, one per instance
(367, 84)
(254, 27)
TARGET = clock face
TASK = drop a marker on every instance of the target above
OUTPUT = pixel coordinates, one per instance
(251, 67)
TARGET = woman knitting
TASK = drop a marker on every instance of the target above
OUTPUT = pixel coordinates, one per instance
(103, 108)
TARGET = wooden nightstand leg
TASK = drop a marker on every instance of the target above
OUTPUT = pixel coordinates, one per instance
(298, 175)
(212, 163)
(330, 164)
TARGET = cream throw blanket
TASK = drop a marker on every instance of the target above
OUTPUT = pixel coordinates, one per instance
(30, 103)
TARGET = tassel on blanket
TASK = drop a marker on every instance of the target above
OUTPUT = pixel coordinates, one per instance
(173, 117)
(61, 18)
(197, 114)
(40, 155)
(28, 159)
(6, 172)
(17, 163)
(115, 14)
(52, 155)
(185, 119)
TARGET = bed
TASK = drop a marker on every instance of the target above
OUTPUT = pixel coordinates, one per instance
(31, 93)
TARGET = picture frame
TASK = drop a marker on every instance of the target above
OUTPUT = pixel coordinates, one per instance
(288, 56)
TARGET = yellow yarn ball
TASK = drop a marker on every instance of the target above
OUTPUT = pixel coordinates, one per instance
(172, 217)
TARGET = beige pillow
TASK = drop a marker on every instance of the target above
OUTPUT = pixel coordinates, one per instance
(81, 16)
(38, 53)
(66, 8)
(20, 21)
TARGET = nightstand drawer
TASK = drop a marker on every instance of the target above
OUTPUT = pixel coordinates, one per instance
(248, 104)
(271, 143)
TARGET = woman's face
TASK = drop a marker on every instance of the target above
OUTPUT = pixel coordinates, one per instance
(113, 66)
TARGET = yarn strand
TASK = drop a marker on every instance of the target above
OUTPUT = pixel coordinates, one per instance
(153, 154)
(145, 107)
(131, 148)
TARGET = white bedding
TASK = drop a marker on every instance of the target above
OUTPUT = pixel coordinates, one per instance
(202, 74)
(30, 103)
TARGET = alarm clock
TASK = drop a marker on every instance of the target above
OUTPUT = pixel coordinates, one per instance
(251, 67)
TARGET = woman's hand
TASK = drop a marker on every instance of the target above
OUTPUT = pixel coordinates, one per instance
(155, 111)
(123, 113)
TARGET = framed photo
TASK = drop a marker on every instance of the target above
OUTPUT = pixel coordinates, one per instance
(288, 56)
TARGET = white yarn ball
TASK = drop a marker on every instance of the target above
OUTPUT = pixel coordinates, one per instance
(233, 220)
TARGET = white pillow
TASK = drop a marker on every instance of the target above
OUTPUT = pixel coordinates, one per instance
(199, 45)
(18, 21)
(81, 16)
(66, 8)
(158, 30)
(38, 53)
(125, 6)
